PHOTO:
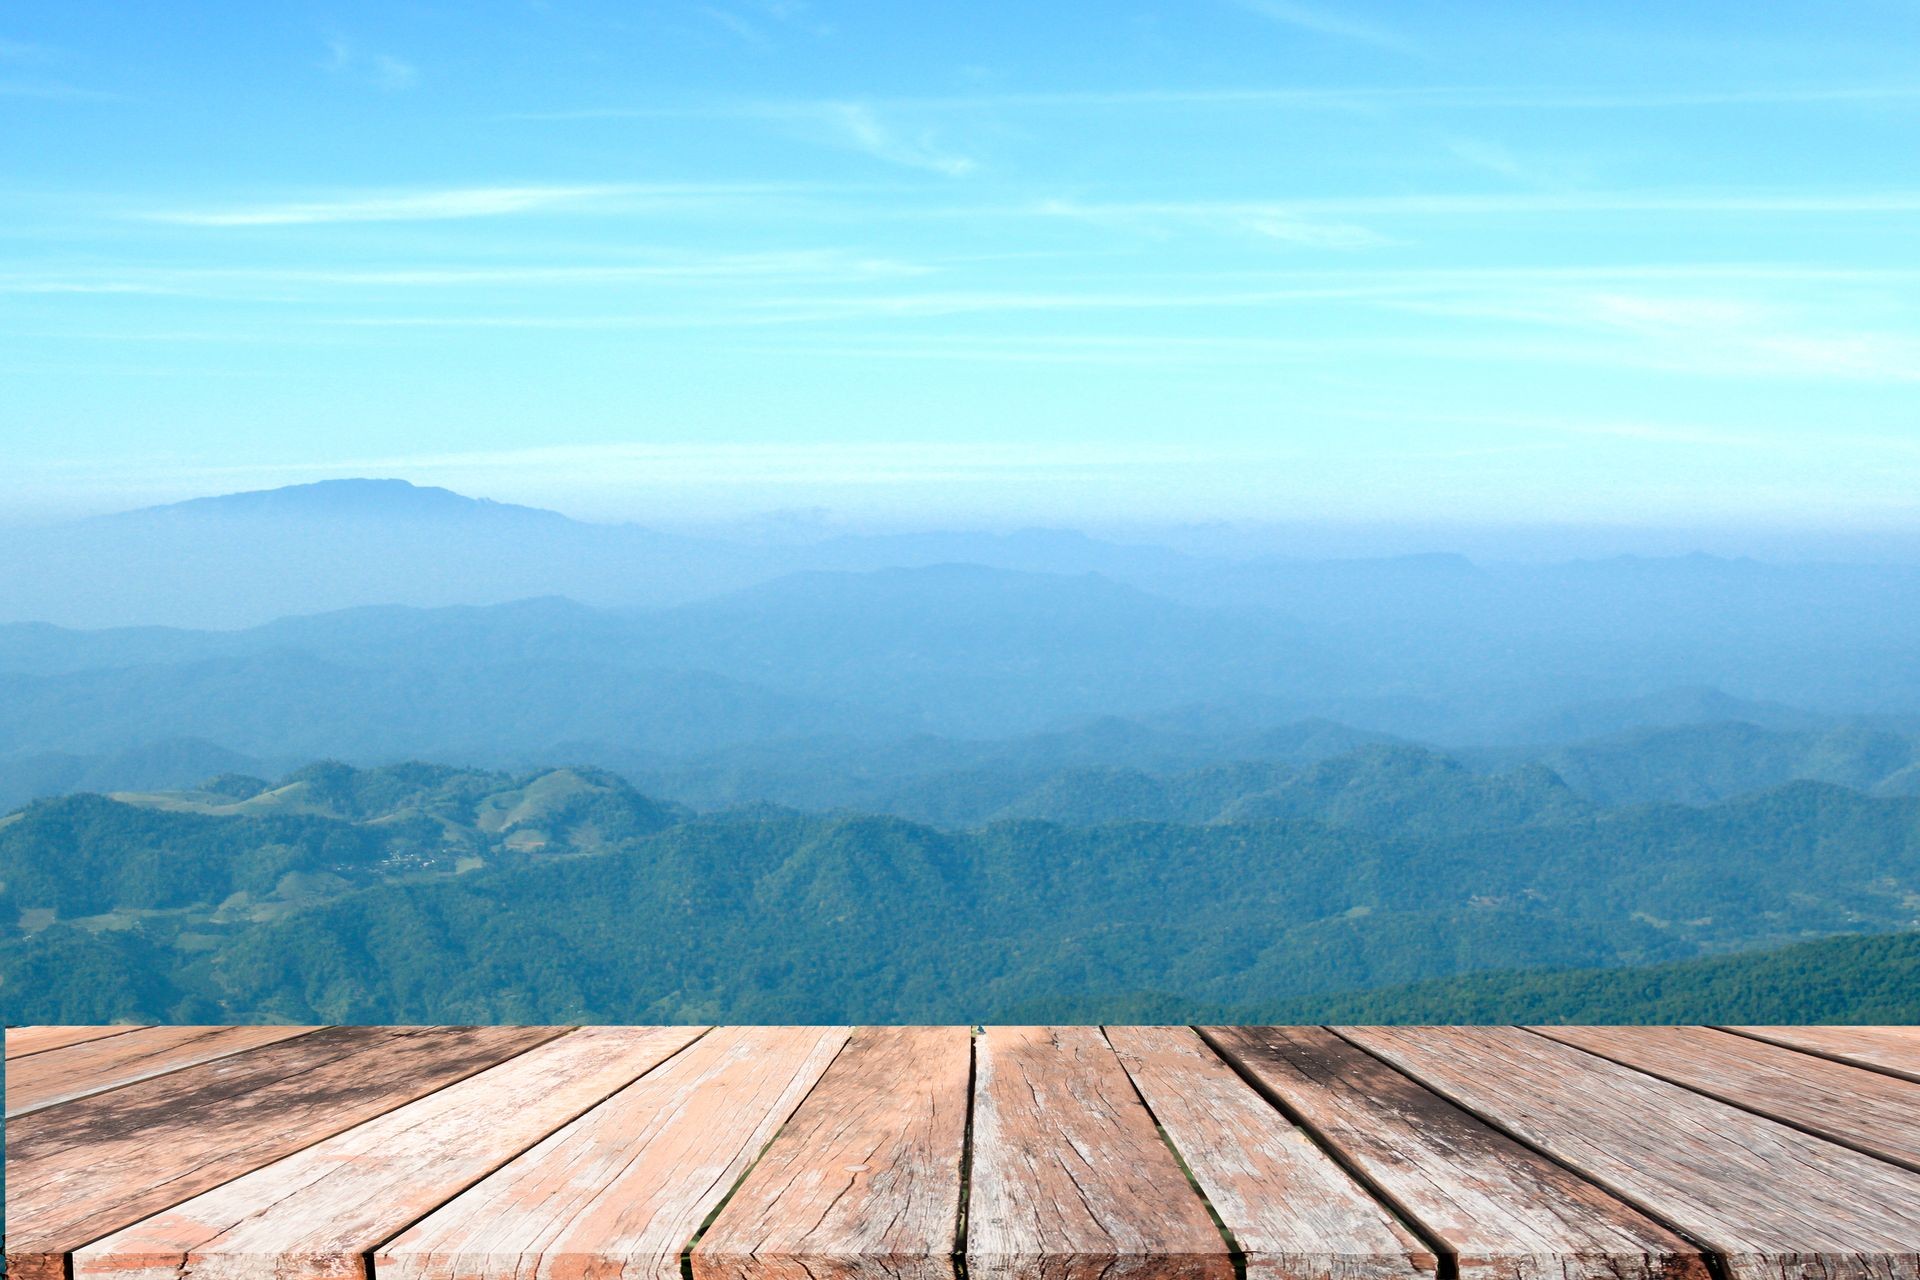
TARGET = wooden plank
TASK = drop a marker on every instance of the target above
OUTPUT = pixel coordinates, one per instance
(864, 1181)
(82, 1170)
(22, 1041)
(1861, 1109)
(95, 1066)
(622, 1190)
(1295, 1214)
(1502, 1211)
(315, 1214)
(1770, 1200)
(1070, 1179)
(1894, 1050)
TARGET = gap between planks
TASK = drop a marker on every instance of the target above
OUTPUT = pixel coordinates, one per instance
(1286, 1208)
(1498, 1207)
(1892, 1051)
(635, 1177)
(45, 1039)
(320, 1212)
(1756, 1192)
(1235, 1247)
(1873, 1114)
(285, 1072)
(1235, 1254)
(37, 1081)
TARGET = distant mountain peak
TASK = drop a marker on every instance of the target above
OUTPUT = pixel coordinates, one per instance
(351, 498)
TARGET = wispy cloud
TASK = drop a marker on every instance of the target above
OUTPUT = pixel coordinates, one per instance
(417, 206)
(754, 21)
(31, 285)
(1323, 21)
(382, 70)
(24, 51)
(29, 58)
(738, 268)
(1500, 160)
(1700, 334)
(1351, 98)
(736, 24)
(1264, 222)
(856, 125)
(54, 91)
(1477, 204)
(756, 465)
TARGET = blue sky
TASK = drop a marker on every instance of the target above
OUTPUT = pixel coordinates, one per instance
(1238, 259)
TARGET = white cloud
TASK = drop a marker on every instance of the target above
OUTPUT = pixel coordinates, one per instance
(736, 24)
(1364, 97)
(1695, 334)
(24, 51)
(752, 24)
(1311, 234)
(1268, 222)
(33, 59)
(1326, 22)
(1443, 205)
(417, 206)
(275, 282)
(17, 284)
(382, 70)
(53, 91)
(391, 73)
(857, 126)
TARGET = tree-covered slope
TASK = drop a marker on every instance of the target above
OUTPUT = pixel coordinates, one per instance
(431, 894)
(1870, 979)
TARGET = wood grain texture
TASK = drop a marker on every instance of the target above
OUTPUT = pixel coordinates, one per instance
(1295, 1214)
(620, 1192)
(864, 1181)
(1070, 1179)
(1770, 1200)
(84, 1169)
(315, 1214)
(1894, 1050)
(1874, 1113)
(22, 1041)
(1503, 1211)
(95, 1066)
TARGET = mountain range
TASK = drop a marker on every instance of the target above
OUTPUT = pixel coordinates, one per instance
(427, 893)
(1477, 647)
(512, 636)
(576, 771)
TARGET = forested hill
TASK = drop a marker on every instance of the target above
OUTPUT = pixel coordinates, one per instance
(445, 895)
(1861, 979)
(1853, 978)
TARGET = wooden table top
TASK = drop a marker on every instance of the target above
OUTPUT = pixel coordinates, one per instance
(942, 1153)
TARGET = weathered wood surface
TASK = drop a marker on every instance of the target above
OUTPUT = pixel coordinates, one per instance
(84, 1169)
(22, 1041)
(315, 1214)
(94, 1066)
(621, 1191)
(1894, 1050)
(1071, 1181)
(1294, 1213)
(1769, 1199)
(1500, 1209)
(1563, 1153)
(864, 1181)
(1873, 1113)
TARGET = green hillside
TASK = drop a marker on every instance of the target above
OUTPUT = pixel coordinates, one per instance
(1870, 979)
(420, 893)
